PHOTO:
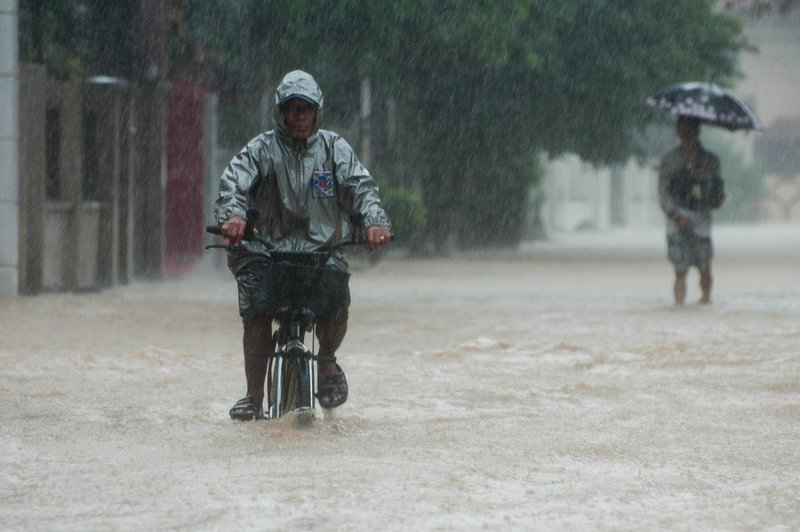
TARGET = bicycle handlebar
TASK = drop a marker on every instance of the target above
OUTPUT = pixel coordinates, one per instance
(253, 215)
(250, 219)
(216, 230)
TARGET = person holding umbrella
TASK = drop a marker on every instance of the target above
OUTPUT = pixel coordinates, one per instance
(689, 181)
(690, 185)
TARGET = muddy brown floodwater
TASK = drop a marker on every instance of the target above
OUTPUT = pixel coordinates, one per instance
(551, 388)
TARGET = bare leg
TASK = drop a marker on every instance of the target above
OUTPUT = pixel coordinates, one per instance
(330, 337)
(257, 341)
(706, 282)
(680, 288)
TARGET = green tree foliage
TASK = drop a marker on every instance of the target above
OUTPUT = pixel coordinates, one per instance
(77, 37)
(408, 214)
(484, 86)
(481, 87)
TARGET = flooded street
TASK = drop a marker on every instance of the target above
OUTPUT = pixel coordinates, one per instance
(552, 388)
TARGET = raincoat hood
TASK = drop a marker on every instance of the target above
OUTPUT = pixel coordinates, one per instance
(296, 84)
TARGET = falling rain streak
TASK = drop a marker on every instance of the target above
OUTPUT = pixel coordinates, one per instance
(514, 358)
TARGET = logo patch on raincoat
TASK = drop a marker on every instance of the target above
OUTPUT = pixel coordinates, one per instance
(323, 184)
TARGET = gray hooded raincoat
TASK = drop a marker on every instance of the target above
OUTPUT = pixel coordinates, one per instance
(306, 197)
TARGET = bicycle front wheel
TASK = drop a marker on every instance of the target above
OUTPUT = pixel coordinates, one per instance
(298, 391)
(291, 385)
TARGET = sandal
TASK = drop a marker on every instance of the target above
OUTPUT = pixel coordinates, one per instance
(246, 409)
(330, 386)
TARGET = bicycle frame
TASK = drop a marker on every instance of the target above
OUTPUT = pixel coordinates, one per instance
(290, 351)
(293, 351)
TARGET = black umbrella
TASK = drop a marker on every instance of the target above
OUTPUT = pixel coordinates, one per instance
(706, 102)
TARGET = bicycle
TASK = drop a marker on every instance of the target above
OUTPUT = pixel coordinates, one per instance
(291, 383)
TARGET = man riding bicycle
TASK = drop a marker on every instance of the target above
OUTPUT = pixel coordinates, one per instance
(309, 186)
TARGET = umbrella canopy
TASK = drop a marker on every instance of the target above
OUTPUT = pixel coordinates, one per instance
(706, 102)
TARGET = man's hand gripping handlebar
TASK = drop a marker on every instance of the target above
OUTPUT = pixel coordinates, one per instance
(236, 229)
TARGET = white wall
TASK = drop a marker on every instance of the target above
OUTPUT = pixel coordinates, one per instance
(578, 195)
(9, 149)
(640, 188)
(772, 74)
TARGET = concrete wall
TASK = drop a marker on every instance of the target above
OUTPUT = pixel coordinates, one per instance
(9, 149)
(32, 170)
(640, 195)
(772, 85)
(578, 196)
(75, 211)
(771, 80)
